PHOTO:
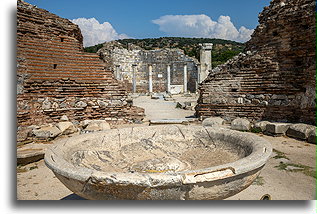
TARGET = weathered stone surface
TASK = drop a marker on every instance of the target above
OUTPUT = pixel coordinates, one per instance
(241, 124)
(95, 125)
(172, 121)
(102, 104)
(156, 163)
(312, 136)
(299, 131)
(66, 127)
(64, 118)
(261, 125)
(81, 104)
(122, 60)
(213, 121)
(276, 75)
(46, 132)
(277, 128)
(56, 78)
(31, 152)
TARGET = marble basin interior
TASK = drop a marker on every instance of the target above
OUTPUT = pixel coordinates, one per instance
(156, 157)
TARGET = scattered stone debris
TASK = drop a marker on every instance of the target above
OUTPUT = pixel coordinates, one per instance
(57, 81)
(241, 124)
(300, 131)
(277, 128)
(213, 121)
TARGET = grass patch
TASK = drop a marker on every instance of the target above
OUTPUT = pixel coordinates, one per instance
(306, 170)
(259, 181)
(256, 130)
(33, 167)
(279, 154)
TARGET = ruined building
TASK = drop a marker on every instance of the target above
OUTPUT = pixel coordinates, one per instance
(55, 77)
(275, 78)
(156, 70)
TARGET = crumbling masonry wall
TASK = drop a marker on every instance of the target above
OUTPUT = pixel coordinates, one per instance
(275, 78)
(121, 61)
(55, 77)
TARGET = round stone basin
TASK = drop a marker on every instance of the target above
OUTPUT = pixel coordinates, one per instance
(173, 162)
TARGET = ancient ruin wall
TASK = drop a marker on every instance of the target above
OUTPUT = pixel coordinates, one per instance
(121, 60)
(275, 78)
(55, 77)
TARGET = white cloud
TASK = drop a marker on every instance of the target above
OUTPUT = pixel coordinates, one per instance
(202, 26)
(96, 33)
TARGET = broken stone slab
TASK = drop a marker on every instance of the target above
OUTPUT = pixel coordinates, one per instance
(240, 124)
(261, 125)
(213, 121)
(299, 131)
(31, 152)
(312, 136)
(95, 125)
(46, 132)
(66, 127)
(155, 97)
(172, 121)
(277, 128)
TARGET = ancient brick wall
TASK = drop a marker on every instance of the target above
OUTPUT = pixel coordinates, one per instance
(114, 54)
(275, 78)
(55, 77)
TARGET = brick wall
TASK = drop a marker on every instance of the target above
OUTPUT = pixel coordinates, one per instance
(275, 78)
(55, 77)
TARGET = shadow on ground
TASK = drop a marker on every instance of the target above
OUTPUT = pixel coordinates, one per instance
(73, 197)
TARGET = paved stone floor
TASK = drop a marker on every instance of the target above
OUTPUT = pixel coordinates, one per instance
(288, 175)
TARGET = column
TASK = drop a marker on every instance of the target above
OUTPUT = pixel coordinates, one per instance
(134, 78)
(185, 78)
(150, 79)
(198, 73)
(168, 78)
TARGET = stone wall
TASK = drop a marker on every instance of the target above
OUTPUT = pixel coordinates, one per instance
(275, 78)
(55, 77)
(121, 60)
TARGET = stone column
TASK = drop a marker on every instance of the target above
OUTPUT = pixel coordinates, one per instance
(134, 78)
(205, 60)
(150, 79)
(185, 78)
(168, 78)
(198, 73)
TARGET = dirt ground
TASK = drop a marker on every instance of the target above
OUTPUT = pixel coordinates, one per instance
(288, 175)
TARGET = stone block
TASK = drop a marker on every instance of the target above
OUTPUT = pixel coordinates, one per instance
(64, 118)
(241, 124)
(66, 127)
(277, 128)
(312, 136)
(46, 132)
(261, 125)
(95, 125)
(213, 121)
(81, 104)
(299, 131)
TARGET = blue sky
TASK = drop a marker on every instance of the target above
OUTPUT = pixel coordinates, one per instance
(135, 18)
